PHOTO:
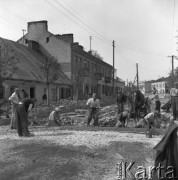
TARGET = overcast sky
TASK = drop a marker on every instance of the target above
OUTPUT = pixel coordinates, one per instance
(143, 30)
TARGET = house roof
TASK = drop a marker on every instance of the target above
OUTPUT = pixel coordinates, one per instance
(29, 64)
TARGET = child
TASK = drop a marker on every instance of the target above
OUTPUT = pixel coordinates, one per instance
(54, 117)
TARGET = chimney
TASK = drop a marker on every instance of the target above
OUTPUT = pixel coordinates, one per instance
(68, 37)
(37, 29)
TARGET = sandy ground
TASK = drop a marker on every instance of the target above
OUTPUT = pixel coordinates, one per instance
(56, 153)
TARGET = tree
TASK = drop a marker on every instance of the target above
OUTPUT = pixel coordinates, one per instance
(8, 64)
(96, 54)
(50, 68)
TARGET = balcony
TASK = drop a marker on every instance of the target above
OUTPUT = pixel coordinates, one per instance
(98, 76)
(107, 79)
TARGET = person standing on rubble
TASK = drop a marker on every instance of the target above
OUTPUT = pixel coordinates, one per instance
(14, 99)
(94, 106)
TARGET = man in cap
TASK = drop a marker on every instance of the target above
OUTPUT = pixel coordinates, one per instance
(14, 99)
(94, 106)
(174, 100)
(54, 117)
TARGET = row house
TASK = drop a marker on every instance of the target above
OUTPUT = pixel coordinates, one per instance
(161, 86)
(90, 74)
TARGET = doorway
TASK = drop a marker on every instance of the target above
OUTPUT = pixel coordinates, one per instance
(32, 92)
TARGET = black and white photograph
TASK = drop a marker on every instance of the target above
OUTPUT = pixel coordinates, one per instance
(88, 89)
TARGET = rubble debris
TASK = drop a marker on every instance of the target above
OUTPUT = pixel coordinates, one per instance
(76, 113)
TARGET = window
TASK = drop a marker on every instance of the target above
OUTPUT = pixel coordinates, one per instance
(99, 69)
(89, 66)
(92, 67)
(54, 94)
(1, 92)
(32, 92)
(96, 68)
(85, 63)
(68, 93)
(80, 61)
(47, 39)
(103, 89)
(76, 61)
(26, 41)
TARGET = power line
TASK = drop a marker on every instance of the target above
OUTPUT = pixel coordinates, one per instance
(81, 20)
(17, 25)
(86, 29)
(15, 15)
(76, 12)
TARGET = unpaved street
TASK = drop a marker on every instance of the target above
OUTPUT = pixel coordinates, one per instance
(55, 153)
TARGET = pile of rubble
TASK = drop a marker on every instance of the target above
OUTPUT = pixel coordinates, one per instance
(107, 116)
(76, 113)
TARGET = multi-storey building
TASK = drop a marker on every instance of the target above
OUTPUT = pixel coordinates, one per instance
(161, 86)
(90, 74)
(87, 73)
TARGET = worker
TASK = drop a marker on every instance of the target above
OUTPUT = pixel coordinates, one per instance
(94, 106)
(21, 115)
(157, 100)
(14, 99)
(174, 100)
(151, 119)
(122, 119)
(54, 117)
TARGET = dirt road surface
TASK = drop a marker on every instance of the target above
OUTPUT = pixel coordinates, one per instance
(56, 153)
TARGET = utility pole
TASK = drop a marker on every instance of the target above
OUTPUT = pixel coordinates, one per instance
(113, 66)
(23, 34)
(137, 77)
(172, 61)
(90, 42)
